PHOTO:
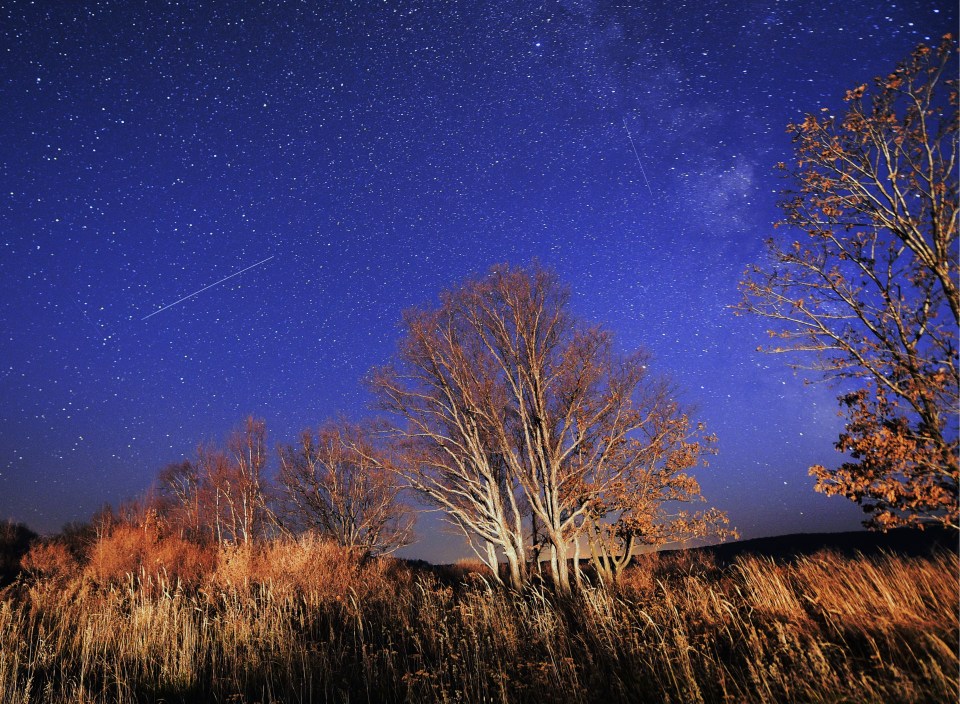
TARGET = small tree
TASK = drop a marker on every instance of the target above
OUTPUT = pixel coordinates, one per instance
(336, 483)
(223, 494)
(180, 493)
(642, 508)
(871, 287)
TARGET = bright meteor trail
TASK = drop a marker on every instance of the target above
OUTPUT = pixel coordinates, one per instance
(637, 154)
(215, 283)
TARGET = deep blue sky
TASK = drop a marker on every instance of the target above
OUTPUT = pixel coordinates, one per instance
(380, 152)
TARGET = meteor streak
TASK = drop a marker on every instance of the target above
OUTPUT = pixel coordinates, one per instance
(215, 283)
(636, 154)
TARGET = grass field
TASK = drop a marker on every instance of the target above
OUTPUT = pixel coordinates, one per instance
(302, 622)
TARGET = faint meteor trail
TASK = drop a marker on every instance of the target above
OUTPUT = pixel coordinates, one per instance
(215, 283)
(636, 154)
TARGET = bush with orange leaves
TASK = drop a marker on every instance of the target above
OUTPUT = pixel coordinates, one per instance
(50, 559)
(141, 550)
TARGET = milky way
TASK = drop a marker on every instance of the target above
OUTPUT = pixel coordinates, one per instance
(380, 153)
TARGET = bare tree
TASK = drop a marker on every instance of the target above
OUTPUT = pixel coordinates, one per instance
(223, 494)
(870, 288)
(512, 406)
(445, 450)
(248, 488)
(180, 489)
(337, 484)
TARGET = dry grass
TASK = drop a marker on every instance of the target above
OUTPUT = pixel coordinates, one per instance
(299, 622)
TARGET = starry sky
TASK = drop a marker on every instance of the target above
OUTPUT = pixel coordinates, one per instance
(356, 159)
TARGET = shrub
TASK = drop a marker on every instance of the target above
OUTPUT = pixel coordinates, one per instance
(50, 559)
(130, 550)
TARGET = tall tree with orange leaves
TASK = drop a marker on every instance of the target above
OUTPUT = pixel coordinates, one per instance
(647, 505)
(869, 286)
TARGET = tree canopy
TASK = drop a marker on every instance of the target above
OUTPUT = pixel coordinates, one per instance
(526, 426)
(867, 292)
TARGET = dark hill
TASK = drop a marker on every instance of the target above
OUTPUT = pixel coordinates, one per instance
(908, 542)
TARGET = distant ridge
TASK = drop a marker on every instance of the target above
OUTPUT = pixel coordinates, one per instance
(908, 542)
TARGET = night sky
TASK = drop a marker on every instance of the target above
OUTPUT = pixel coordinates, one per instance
(360, 159)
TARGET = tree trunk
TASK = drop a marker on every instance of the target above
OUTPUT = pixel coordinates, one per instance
(577, 574)
(561, 574)
(492, 562)
(513, 565)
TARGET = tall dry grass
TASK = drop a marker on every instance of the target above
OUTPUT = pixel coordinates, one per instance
(302, 621)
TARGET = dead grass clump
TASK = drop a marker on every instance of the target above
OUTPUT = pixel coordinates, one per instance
(466, 571)
(768, 587)
(886, 591)
(307, 565)
(140, 551)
